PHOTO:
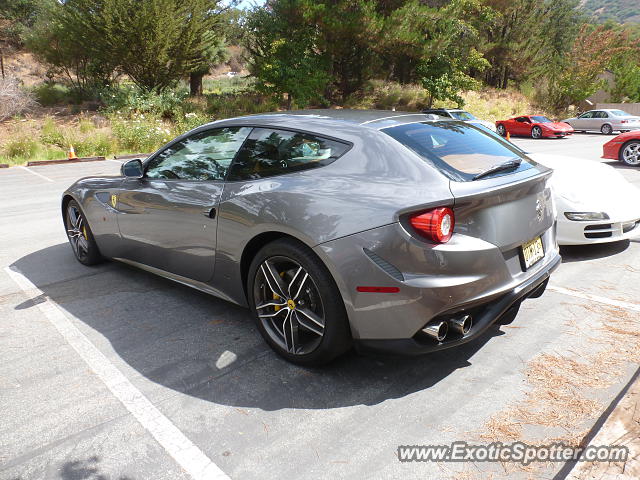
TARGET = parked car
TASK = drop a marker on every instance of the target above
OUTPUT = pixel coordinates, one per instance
(534, 126)
(458, 114)
(605, 120)
(594, 202)
(384, 229)
(625, 147)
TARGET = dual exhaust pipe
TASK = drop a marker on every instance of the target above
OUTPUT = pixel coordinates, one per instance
(439, 330)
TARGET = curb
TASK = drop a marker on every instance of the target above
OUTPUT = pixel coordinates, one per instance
(59, 162)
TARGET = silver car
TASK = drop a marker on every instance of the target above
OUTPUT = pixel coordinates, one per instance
(388, 231)
(605, 120)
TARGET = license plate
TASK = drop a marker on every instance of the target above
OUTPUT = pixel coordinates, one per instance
(532, 253)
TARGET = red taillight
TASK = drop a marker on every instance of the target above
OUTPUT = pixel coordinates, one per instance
(436, 225)
(623, 121)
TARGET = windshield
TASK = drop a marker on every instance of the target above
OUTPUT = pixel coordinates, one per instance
(462, 115)
(620, 113)
(540, 119)
(459, 150)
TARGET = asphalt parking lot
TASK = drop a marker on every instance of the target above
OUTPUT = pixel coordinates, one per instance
(112, 373)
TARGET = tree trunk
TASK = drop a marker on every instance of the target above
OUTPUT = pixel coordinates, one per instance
(289, 101)
(195, 84)
(2, 63)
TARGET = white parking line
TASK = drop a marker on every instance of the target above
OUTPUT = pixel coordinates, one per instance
(184, 452)
(115, 161)
(596, 298)
(36, 174)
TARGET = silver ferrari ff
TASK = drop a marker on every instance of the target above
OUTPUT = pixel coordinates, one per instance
(389, 231)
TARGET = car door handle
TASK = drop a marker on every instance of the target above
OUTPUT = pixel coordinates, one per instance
(211, 213)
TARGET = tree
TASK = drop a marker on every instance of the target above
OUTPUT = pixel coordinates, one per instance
(592, 51)
(284, 58)
(154, 42)
(54, 41)
(527, 39)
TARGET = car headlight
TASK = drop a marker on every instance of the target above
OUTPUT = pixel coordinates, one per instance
(586, 216)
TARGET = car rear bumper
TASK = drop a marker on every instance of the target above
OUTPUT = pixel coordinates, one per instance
(422, 282)
(488, 314)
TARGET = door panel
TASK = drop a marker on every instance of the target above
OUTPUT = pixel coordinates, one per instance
(168, 218)
(163, 225)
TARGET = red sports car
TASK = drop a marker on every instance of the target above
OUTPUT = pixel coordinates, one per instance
(534, 126)
(625, 147)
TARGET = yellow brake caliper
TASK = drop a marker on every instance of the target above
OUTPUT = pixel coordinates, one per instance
(84, 232)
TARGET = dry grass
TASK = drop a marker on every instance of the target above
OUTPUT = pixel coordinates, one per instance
(13, 99)
(561, 385)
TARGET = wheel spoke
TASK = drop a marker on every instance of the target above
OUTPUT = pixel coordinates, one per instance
(275, 314)
(271, 304)
(311, 316)
(273, 279)
(308, 325)
(293, 280)
(288, 333)
(304, 279)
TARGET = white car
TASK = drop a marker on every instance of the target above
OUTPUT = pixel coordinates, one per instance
(462, 115)
(594, 202)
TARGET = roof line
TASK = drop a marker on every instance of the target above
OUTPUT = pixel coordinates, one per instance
(393, 116)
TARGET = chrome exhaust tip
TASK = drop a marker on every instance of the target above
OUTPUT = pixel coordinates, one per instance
(462, 324)
(437, 330)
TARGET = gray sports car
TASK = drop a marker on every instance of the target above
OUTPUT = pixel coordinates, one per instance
(389, 231)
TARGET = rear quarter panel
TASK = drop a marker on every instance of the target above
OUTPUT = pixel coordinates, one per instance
(362, 190)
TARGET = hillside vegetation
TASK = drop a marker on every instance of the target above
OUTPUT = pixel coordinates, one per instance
(623, 11)
(85, 73)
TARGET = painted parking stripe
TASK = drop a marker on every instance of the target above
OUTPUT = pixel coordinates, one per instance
(115, 161)
(596, 298)
(184, 452)
(36, 174)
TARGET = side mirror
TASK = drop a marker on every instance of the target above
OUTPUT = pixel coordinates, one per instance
(132, 169)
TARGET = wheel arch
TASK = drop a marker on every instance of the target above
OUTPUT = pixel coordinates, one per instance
(254, 245)
(66, 198)
(625, 145)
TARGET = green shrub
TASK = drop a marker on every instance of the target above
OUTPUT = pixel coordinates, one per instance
(51, 134)
(140, 134)
(49, 94)
(128, 100)
(224, 106)
(24, 147)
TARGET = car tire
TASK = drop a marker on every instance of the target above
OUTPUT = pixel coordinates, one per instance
(288, 283)
(80, 235)
(606, 129)
(536, 132)
(630, 153)
(501, 130)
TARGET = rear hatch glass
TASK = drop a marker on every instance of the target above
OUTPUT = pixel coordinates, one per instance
(461, 151)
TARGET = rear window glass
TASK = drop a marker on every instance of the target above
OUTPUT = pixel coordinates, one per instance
(621, 113)
(459, 150)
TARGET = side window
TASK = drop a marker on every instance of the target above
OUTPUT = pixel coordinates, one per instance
(270, 152)
(586, 115)
(603, 115)
(204, 156)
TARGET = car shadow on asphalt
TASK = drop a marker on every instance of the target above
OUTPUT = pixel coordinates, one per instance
(208, 348)
(581, 253)
(620, 165)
